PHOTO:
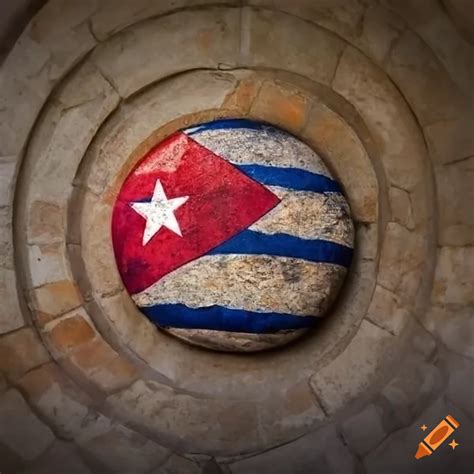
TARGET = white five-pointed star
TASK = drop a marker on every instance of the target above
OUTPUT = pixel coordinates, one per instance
(159, 212)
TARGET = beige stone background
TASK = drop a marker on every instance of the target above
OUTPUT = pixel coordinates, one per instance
(382, 90)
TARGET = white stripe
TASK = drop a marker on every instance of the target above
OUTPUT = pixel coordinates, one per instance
(266, 147)
(309, 215)
(250, 282)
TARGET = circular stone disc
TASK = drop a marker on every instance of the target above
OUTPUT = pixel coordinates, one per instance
(232, 235)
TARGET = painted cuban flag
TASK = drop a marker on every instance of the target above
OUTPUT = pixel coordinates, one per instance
(232, 228)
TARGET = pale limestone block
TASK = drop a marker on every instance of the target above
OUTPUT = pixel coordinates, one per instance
(133, 124)
(47, 223)
(455, 186)
(426, 85)
(401, 207)
(450, 140)
(8, 168)
(20, 429)
(272, 39)
(390, 121)
(211, 37)
(347, 158)
(6, 238)
(11, 316)
(343, 17)
(47, 264)
(402, 250)
(380, 30)
(365, 430)
(57, 399)
(409, 392)
(352, 372)
(320, 451)
(97, 249)
(366, 241)
(454, 326)
(123, 450)
(61, 455)
(385, 311)
(21, 351)
(85, 102)
(453, 282)
(212, 425)
(112, 17)
(177, 465)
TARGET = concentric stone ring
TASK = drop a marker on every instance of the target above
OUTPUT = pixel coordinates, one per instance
(232, 235)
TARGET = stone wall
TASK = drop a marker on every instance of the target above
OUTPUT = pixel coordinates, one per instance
(382, 90)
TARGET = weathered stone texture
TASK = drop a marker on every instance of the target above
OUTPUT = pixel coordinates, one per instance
(20, 429)
(58, 399)
(322, 449)
(211, 38)
(48, 264)
(352, 372)
(11, 316)
(453, 281)
(21, 351)
(121, 450)
(177, 465)
(455, 191)
(274, 40)
(390, 121)
(401, 207)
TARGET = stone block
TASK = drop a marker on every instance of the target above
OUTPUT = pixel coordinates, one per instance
(102, 366)
(55, 299)
(21, 351)
(427, 86)
(6, 238)
(57, 399)
(385, 311)
(68, 333)
(459, 391)
(450, 140)
(454, 326)
(380, 30)
(343, 17)
(215, 426)
(275, 40)
(47, 264)
(211, 37)
(242, 98)
(322, 450)
(281, 106)
(390, 121)
(347, 158)
(46, 223)
(177, 465)
(7, 180)
(400, 205)
(403, 250)
(366, 241)
(353, 371)
(20, 429)
(453, 283)
(123, 450)
(455, 198)
(11, 316)
(64, 456)
(111, 18)
(363, 431)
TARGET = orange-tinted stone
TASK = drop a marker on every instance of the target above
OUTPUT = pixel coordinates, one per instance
(70, 333)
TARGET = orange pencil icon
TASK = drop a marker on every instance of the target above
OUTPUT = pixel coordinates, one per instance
(437, 437)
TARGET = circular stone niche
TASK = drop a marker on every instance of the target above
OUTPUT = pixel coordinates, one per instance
(232, 235)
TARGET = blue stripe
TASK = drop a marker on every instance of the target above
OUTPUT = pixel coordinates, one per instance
(228, 124)
(250, 242)
(220, 318)
(292, 178)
